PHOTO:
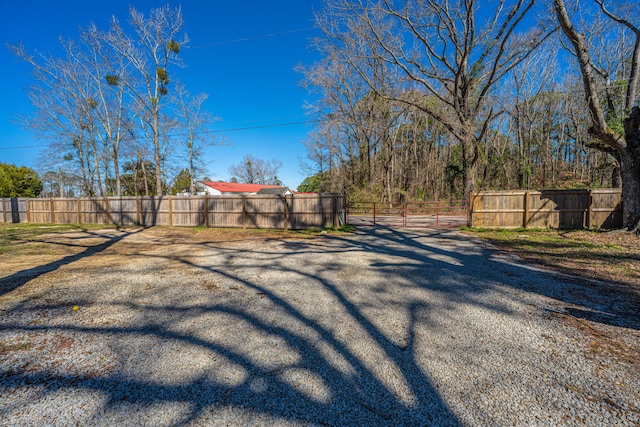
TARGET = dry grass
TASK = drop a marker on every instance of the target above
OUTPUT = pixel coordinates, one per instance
(608, 257)
(25, 246)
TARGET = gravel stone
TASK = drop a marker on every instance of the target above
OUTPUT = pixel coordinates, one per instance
(379, 327)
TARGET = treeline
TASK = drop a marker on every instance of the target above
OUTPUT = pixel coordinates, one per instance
(117, 119)
(435, 99)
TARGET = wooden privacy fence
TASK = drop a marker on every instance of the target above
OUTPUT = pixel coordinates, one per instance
(547, 208)
(238, 211)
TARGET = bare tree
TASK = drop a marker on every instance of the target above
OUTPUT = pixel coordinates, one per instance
(154, 49)
(194, 121)
(63, 98)
(447, 49)
(256, 171)
(106, 73)
(625, 146)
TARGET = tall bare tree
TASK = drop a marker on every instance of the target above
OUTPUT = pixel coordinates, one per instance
(151, 53)
(63, 97)
(625, 145)
(453, 50)
(106, 73)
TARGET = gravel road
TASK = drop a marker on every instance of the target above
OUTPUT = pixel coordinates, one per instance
(379, 327)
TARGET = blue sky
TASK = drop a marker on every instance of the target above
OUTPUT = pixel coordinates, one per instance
(243, 55)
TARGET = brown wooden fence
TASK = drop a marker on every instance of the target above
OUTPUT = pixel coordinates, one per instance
(547, 208)
(248, 211)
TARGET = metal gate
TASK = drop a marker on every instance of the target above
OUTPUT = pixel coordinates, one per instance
(431, 214)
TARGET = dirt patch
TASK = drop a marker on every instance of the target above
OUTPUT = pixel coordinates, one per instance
(33, 251)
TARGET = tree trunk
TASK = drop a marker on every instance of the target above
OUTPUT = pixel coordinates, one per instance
(192, 186)
(156, 152)
(116, 169)
(630, 172)
(61, 182)
(469, 165)
(144, 175)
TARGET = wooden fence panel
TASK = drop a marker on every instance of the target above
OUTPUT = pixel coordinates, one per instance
(94, 211)
(226, 211)
(65, 211)
(14, 210)
(558, 209)
(606, 209)
(310, 212)
(123, 211)
(154, 211)
(266, 212)
(188, 211)
(497, 209)
(548, 208)
(254, 211)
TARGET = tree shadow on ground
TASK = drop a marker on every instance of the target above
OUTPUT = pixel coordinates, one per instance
(320, 376)
(18, 279)
(607, 303)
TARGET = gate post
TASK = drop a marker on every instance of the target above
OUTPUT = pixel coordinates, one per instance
(404, 215)
(374, 213)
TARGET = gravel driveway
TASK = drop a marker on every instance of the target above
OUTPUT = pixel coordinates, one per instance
(379, 327)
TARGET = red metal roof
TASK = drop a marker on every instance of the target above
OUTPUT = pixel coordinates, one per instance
(232, 187)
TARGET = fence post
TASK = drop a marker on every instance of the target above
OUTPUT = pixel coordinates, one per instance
(374, 213)
(244, 211)
(589, 209)
(170, 210)
(525, 219)
(470, 208)
(206, 211)
(437, 214)
(51, 204)
(107, 209)
(405, 212)
(286, 212)
(336, 220)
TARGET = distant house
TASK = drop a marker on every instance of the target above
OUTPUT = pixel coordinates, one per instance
(222, 188)
(280, 191)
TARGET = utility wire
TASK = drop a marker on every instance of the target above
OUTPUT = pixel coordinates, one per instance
(246, 39)
(236, 129)
(220, 43)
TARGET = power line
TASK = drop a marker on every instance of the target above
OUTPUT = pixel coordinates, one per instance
(303, 122)
(245, 39)
(220, 43)
(236, 129)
